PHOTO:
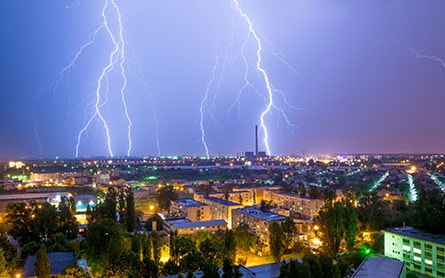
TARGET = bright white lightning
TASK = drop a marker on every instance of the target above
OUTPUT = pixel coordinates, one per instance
(124, 78)
(203, 107)
(269, 103)
(227, 59)
(117, 55)
(429, 57)
(139, 76)
(36, 133)
(76, 56)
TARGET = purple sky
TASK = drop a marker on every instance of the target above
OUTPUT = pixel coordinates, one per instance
(358, 76)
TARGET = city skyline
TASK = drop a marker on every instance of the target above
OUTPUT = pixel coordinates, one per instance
(345, 77)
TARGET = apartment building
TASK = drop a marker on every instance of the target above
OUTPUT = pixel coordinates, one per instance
(190, 209)
(259, 223)
(422, 252)
(45, 176)
(184, 226)
(304, 206)
(221, 209)
(380, 267)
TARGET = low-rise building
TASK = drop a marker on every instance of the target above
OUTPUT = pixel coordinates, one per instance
(58, 262)
(422, 252)
(191, 209)
(46, 176)
(259, 223)
(297, 205)
(184, 226)
(53, 198)
(221, 208)
(380, 267)
(244, 197)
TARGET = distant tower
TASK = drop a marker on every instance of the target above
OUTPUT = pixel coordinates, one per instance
(256, 140)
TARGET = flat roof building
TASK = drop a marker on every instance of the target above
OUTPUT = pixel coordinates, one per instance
(185, 226)
(190, 209)
(380, 267)
(302, 206)
(221, 208)
(259, 223)
(422, 252)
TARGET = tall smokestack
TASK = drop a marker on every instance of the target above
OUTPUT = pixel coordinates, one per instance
(256, 140)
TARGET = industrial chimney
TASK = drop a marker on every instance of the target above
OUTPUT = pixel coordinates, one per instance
(256, 140)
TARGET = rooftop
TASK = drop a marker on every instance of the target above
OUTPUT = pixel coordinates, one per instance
(292, 195)
(59, 260)
(222, 201)
(379, 267)
(268, 216)
(419, 234)
(188, 202)
(185, 223)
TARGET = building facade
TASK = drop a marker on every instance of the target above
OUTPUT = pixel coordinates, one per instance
(221, 209)
(185, 227)
(191, 209)
(259, 223)
(422, 252)
(295, 204)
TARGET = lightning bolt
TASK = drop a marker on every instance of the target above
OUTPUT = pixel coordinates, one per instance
(259, 67)
(268, 94)
(116, 56)
(139, 76)
(36, 133)
(203, 107)
(420, 55)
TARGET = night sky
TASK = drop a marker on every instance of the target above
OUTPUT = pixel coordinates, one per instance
(350, 76)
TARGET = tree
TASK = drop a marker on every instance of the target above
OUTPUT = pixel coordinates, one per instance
(276, 241)
(330, 220)
(243, 238)
(174, 256)
(42, 266)
(9, 252)
(150, 268)
(107, 209)
(311, 266)
(45, 221)
(428, 211)
(350, 222)
(164, 195)
(371, 211)
(68, 224)
(128, 264)
(229, 245)
(32, 222)
(4, 269)
(170, 267)
(130, 210)
(19, 217)
(315, 266)
(210, 270)
(185, 245)
(229, 270)
(289, 233)
(105, 241)
(211, 250)
(73, 272)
